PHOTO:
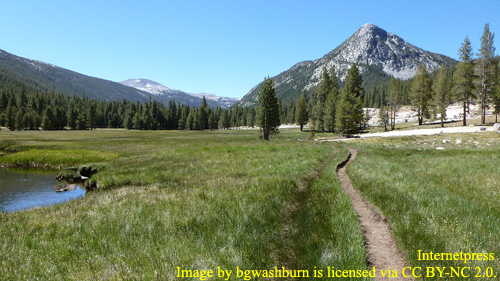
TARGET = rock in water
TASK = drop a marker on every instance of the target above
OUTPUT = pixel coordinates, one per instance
(63, 187)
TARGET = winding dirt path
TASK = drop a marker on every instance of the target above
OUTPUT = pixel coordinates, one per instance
(382, 249)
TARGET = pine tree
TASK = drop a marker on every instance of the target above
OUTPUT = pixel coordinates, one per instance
(251, 118)
(91, 116)
(268, 109)
(81, 121)
(183, 117)
(212, 121)
(20, 119)
(321, 92)
(10, 116)
(393, 101)
(48, 118)
(485, 69)
(464, 77)
(349, 111)
(302, 114)
(422, 93)
(71, 116)
(225, 120)
(190, 119)
(331, 103)
(496, 94)
(442, 92)
(204, 112)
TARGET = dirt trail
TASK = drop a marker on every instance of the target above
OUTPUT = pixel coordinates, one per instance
(382, 249)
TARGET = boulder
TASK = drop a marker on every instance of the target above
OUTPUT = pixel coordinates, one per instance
(64, 187)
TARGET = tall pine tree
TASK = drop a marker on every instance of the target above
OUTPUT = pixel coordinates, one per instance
(421, 91)
(268, 110)
(464, 77)
(302, 114)
(486, 69)
(442, 93)
(349, 112)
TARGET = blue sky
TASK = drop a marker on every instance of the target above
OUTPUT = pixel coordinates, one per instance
(222, 47)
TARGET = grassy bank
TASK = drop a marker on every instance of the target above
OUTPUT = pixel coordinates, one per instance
(444, 201)
(196, 200)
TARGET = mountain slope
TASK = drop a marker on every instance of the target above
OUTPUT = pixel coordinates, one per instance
(159, 90)
(378, 54)
(51, 77)
(48, 77)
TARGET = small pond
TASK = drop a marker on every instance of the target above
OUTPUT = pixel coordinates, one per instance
(24, 189)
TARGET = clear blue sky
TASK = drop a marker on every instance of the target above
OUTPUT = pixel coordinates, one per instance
(222, 47)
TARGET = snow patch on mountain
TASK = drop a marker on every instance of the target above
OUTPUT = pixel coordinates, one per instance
(146, 85)
(158, 89)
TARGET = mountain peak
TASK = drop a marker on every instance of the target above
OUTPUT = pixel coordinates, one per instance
(376, 52)
(370, 30)
(369, 27)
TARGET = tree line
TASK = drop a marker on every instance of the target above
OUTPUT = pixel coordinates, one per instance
(22, 108)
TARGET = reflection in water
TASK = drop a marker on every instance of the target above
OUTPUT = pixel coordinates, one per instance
(23, 189)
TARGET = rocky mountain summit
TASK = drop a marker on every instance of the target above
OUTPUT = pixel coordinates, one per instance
(377, 53)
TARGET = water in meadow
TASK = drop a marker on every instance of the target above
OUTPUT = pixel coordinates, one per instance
(24, 189)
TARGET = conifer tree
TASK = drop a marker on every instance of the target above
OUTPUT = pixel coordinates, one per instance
(349, 111)
(226, 120)
(20, 119)
(47, 119)
(268, 110)
(422, 93)
(204, 112)
(81, 121)
(91, 116)
(302, 114)
(251, 118)
(183, 117)
(71, 116)
(486, 69)
(190, 119)
(442, 92)
(496, 94)
(464, 77)
(10, 116)
(331, 103)
(321, 92)
(393, 101)
(212, 121)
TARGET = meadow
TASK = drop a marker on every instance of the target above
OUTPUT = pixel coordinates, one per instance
(168, 199)
(444, 201)
(202, 200)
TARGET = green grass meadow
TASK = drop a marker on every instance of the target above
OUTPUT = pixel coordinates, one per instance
(202, 200)
(196, 200)
(444, 201)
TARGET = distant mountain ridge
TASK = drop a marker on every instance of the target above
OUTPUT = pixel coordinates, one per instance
(48, 77)
(159, 90)
(378, 54)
